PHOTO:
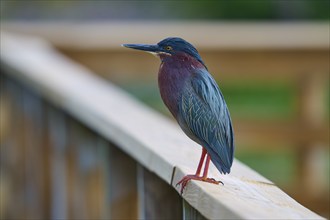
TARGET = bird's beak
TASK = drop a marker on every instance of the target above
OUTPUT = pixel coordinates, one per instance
(154, 49)
(144, 47)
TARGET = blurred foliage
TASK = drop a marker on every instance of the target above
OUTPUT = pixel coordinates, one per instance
(164, 10)
(260, 9)
(278, 166)
(258, 100)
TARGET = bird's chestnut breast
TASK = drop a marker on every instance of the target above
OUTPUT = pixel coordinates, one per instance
(173, 75)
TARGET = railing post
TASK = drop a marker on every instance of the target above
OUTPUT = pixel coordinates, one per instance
(312, 114)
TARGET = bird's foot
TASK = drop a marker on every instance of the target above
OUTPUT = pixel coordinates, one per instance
(184, 181)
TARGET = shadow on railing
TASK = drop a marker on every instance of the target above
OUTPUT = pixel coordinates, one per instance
(76, 147)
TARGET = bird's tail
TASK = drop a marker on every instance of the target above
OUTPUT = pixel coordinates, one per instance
(222, 166)
(223, 169)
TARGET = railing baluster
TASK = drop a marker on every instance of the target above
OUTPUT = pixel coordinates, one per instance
(104, 180)
(157, 199)
(88, 190)
(34, 165)
(58, 140)
(123, 192)
(189, 213)
(12, 152)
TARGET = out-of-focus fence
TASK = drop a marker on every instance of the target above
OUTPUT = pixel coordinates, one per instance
(296, 53)
(63, 143)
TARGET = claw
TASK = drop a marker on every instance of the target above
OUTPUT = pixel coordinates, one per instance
(184, 181)
(217, 181)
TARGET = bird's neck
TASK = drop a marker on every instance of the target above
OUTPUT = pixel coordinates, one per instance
(180, 60)
(173, 74)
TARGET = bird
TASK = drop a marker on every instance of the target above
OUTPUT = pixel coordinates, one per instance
(195, 100)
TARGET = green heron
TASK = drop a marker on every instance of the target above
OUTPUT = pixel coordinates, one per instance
(196, 102)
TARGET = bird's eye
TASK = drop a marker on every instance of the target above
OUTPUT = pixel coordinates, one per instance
(168, 48)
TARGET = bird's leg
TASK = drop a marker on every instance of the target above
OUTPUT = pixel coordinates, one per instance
(184, 181)
(200, 164)
(206, 170)
(206, 167)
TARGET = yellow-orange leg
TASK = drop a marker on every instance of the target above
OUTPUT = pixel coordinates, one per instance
(184, 181)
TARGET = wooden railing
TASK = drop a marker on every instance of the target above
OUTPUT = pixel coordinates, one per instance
(74, 146)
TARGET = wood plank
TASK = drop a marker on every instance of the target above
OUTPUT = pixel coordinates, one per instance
(245, 195)
(151, 139)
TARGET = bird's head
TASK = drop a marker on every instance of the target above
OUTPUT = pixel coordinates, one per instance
(168, 47)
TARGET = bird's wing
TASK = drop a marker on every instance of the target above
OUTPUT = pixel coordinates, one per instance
(205, 113)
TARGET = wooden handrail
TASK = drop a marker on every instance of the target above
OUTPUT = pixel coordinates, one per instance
(205, 35)
(149, 138)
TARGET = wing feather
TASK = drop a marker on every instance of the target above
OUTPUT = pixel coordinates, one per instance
(206, 119)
